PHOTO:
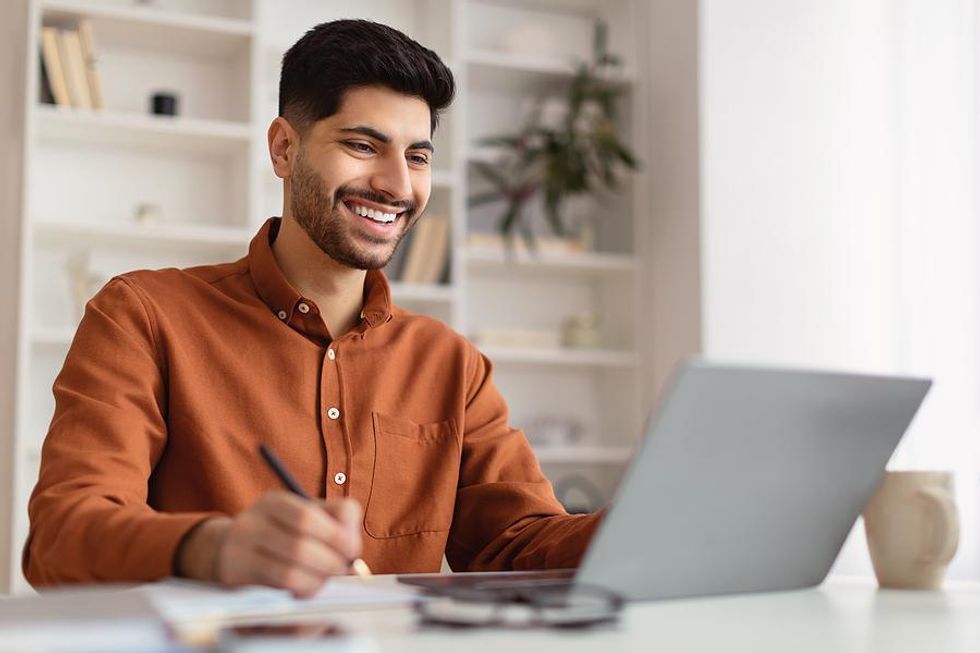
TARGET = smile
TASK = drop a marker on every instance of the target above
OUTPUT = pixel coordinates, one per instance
(376, 215)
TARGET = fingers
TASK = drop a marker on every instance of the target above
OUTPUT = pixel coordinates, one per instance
(288, 542)
(336, 522)
(314, 555)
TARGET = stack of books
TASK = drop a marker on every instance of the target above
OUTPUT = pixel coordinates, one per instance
(69, 77)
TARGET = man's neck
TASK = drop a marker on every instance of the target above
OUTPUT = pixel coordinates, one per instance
(337, 290)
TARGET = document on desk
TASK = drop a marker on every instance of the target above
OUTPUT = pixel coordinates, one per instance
(182, 602)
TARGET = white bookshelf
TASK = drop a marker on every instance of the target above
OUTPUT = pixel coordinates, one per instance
(208, 176)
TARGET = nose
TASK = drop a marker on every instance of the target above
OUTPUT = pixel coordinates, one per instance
(392, 177)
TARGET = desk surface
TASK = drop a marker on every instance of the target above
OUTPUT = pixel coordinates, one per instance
(838, 616)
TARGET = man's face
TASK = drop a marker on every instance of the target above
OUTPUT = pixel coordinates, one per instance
(362, 176)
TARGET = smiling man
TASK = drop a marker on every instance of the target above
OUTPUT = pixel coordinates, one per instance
(151, 468)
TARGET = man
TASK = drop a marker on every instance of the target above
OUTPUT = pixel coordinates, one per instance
(175, 377)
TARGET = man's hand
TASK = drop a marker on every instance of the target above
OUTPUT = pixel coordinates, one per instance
(281, 541)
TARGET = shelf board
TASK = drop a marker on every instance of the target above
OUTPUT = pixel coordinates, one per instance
(521, 74)
(495, 259)
(421, 292)
(149, 28)
(575, 357)
(141, 131)
(579, 454)
(189, 235)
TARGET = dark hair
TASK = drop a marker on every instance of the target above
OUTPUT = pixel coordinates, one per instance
(342, 54)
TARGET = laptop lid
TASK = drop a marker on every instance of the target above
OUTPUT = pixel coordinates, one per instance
(748, 479)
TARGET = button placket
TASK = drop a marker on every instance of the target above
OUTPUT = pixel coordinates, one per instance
(333, 427)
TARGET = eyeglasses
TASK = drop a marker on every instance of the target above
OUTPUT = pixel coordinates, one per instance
(575, 606)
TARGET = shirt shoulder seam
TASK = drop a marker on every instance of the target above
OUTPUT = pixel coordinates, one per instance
(151, 320)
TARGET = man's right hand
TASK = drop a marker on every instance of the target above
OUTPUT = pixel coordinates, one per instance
(281, 541)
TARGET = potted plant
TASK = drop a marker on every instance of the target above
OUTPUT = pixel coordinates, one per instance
(581, 155)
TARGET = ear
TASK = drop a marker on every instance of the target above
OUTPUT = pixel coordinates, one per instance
(283, 145)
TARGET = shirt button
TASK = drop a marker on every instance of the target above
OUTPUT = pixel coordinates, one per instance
(331, 354)
(282, 315)
(333, 413)
(340, 478)
(303, 308)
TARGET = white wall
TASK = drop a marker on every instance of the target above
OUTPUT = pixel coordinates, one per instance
(838, 208)
(799, 182)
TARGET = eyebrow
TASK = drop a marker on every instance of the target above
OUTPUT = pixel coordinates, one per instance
(371, 132)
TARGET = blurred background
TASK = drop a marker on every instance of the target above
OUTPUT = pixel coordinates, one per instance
(619, 184)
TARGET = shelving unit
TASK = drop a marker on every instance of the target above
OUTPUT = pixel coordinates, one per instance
(207, 175)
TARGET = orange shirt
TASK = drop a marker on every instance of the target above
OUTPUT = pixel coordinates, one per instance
(175, 376)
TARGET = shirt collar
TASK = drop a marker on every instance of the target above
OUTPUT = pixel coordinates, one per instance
(280, 295)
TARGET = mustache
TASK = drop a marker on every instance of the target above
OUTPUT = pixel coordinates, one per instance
(409, 206)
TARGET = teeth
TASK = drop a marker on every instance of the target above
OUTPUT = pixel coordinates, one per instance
(377, 216)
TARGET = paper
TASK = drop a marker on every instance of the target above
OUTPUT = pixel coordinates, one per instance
(180, 602)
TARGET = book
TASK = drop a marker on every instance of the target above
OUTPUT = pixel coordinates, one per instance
(87, 39)
(52, 66)
(427, 251)
(45, 94)
(73, 63)
(437, 252)
(415, 258)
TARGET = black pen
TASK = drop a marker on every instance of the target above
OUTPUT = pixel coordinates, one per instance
(359, 566)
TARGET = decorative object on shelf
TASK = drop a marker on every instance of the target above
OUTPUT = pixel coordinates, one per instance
(84, 282)
(555, 431)
(582, 156)
(164, 103)
(578, 494)
(581, 331)
(147, 213)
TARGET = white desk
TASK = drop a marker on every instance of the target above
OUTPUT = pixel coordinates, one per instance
(840, 616)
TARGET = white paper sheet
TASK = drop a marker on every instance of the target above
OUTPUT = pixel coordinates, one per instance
(180, 602)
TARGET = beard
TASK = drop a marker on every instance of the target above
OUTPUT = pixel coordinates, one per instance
(326, 221)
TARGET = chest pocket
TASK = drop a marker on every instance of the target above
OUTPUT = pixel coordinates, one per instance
(416, 471)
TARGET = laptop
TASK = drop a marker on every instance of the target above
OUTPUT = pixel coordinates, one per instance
(748, 479)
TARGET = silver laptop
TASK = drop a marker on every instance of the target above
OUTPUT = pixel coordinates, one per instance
(749, 479)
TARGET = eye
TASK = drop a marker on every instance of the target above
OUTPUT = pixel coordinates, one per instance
(360, 147)
(419, 159)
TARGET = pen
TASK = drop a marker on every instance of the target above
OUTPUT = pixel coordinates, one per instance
(357, 564)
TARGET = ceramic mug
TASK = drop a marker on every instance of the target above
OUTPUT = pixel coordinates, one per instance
(912, 529)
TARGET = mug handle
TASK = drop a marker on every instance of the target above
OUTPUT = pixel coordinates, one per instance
(945, 536)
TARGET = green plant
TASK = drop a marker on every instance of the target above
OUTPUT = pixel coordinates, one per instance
(583, 154)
